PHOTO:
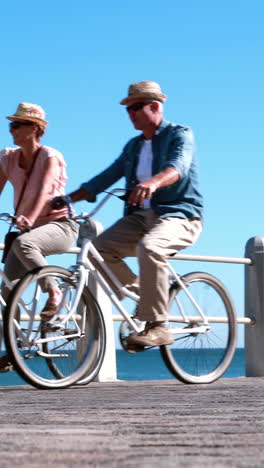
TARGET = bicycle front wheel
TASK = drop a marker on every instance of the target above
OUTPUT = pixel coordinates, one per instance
(204, 355)
(69, 350)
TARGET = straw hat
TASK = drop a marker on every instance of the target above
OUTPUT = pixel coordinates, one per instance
(29, 112)
(144, 90)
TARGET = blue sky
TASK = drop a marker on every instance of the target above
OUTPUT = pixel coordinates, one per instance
(76, 59)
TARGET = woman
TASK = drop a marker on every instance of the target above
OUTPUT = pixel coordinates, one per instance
(37, 174)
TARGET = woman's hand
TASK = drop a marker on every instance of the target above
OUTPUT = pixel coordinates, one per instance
(23, 223)
(59, 202)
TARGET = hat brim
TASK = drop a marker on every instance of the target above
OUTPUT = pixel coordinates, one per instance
(143, 97)
(16, 118)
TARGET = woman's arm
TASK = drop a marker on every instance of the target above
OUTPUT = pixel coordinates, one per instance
(3, 180)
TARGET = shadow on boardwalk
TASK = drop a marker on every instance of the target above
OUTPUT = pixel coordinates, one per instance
(134, 424)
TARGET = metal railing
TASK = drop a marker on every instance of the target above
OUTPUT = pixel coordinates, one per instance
(187, 257)
(254, 306)
(197, 258)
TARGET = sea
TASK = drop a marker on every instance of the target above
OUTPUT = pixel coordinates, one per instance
(143, 366)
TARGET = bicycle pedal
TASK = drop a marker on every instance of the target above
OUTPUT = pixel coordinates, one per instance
(132, 349)
(51, 327)
(70, 331)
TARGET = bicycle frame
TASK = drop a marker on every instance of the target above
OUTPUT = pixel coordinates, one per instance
(9, 285)
(191, 296)
(114, 299)
(4, 280)
(84, 267)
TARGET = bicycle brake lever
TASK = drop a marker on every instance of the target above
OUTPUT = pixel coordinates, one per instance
(125, 197)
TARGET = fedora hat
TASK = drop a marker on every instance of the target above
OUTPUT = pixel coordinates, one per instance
(29, 112)
(144, 90)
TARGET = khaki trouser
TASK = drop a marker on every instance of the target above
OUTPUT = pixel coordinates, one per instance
(152, 239)
(30, 249)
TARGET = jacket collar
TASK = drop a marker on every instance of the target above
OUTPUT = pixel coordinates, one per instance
(164, 124)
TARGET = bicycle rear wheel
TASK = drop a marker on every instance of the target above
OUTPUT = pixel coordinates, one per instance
(60, 355)
(200, 357)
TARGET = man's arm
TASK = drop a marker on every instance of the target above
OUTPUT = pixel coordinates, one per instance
(145, 190)
(178, 165)
(81, 194)
(141, 192)
(99, 183)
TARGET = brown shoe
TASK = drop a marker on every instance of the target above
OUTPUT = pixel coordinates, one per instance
(5, 364)
(153, 335)
(48, 311)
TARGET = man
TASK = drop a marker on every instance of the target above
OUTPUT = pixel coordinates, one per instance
(164, 208)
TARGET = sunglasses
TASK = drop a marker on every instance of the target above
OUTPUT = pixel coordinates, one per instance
(137, 106)
(16, 124)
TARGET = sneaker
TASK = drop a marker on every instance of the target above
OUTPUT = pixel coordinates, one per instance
(153, 335)
(5, 364)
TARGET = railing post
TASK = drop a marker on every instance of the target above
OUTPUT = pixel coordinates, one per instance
(107, 372)
(254, 307)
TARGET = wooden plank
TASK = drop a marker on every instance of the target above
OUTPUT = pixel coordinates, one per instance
(143, 424)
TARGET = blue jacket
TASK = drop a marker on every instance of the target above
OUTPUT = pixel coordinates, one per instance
(172, 146)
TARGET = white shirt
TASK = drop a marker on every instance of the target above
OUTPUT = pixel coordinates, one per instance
(144, 167)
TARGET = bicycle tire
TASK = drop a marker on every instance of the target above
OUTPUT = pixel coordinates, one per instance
(202, 357)
(87, 300)
(70, 356)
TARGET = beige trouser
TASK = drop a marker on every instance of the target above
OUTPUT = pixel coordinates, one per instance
(152, 239)
(30, 249)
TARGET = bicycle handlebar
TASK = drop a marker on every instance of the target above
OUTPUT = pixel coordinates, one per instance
(106, 198)
(7, 217)
(60, 202)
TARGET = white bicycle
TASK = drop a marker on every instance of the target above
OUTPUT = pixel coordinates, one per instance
(8, 218)
(72, 344)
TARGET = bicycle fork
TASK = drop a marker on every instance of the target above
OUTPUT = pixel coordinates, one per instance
(191, 321)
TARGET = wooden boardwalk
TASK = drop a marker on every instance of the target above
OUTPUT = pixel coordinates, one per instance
(134, 424)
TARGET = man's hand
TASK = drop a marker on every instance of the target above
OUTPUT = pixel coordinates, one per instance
(145, 190)
(141, 192)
